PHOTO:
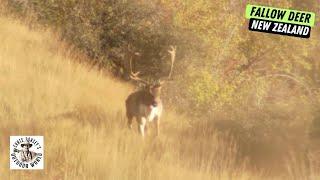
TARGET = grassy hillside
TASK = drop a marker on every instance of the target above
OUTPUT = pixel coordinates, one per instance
(80, 113)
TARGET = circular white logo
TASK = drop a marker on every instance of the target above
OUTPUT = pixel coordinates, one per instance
(26, 152)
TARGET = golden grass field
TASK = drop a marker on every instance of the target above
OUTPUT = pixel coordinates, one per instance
(80, 112)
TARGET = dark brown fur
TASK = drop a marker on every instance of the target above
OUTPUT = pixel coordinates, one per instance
(135, 99)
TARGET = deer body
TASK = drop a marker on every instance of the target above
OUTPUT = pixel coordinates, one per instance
(145, 105)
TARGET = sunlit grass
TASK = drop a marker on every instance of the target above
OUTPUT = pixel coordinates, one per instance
(80, 113)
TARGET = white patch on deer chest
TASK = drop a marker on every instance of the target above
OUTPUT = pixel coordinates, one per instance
(150, 112)
(154, 112)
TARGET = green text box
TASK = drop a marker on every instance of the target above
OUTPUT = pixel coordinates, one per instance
(264, 10)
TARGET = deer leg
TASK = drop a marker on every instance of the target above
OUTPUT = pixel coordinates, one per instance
(130, 122)
(142, 124)
(145, 129)
(158, 125)
(141, 129)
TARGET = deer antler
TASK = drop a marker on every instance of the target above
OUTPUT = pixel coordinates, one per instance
(134, 76)
(172, 52)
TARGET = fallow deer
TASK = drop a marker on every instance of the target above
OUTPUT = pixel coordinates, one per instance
(145, 105)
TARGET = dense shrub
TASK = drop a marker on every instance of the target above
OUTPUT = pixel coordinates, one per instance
(105, 29)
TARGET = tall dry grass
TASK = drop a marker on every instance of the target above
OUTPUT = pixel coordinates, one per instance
(80, 112)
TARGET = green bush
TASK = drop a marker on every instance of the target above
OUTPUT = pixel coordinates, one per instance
(104, 29)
